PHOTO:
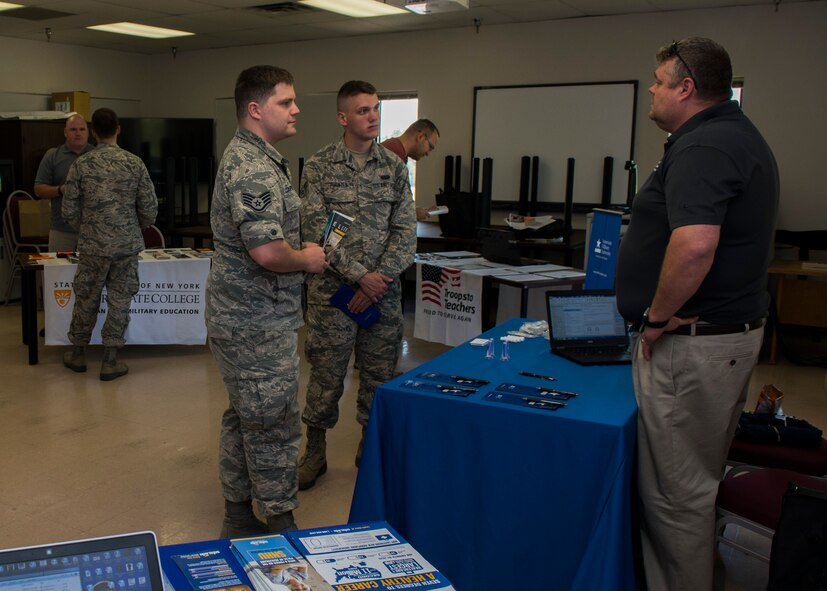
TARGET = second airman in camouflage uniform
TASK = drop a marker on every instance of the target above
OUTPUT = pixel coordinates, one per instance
(108, 199)
(361, 179)
(254, 306)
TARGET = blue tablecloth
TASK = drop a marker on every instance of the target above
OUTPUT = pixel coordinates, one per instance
(492, 493)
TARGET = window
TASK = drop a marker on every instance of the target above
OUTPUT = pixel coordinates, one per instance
(396, 114)
(737, 89)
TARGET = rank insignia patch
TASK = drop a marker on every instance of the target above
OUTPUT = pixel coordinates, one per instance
(257, 202)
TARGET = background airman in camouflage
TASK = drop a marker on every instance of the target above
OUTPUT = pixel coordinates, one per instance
(361, 179)
(253, 307)
(108, 199)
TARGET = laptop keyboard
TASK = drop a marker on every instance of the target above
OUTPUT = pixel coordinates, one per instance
(595, 351)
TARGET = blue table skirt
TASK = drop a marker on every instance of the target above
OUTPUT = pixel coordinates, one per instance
(490, 492)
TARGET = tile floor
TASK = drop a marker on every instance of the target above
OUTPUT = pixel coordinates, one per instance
(81, 457)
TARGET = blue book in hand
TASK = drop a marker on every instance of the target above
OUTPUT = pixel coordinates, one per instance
(342, 298)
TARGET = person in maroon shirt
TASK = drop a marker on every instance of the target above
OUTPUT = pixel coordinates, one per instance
(416, 142)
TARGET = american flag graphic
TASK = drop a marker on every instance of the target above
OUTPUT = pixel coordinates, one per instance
(434, 279)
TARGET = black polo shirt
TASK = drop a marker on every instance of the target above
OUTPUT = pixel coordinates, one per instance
(718, 170)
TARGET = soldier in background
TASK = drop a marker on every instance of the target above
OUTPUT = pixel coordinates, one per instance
(253, 306)
(108, 200)
(51, 176)
(358, 178)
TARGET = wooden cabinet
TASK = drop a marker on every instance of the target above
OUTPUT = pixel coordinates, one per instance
(25, 143)
(800, 295)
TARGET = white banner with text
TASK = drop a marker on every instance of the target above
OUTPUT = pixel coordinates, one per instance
(448, 304)
(168, 309)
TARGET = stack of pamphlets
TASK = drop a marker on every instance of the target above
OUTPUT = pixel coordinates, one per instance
(366, 556)
(337, 226)
(272, 564)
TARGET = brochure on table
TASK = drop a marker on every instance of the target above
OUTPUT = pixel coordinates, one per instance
(366, 553)
(209, 571)
(272, 564)
(342, 558)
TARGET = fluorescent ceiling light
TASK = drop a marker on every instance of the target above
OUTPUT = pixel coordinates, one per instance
(435, 6)
(127, 28)
(9, 6)
(418, 7)
(355, 8)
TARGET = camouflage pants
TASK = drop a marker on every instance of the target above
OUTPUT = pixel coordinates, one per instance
(260, 431)
(331, 338)
(120, 276)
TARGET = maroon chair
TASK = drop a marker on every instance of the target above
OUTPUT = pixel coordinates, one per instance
(153, 237)
(805, 460)
(751, 498)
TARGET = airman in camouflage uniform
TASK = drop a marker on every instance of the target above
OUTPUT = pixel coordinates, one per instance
(253, 306)
(108, 199)
(361, 179)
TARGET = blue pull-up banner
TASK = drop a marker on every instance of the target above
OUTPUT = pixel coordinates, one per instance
(603, 244)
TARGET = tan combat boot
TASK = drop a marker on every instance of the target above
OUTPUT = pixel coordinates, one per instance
(111, 368)
(314, 463)
(75, 359)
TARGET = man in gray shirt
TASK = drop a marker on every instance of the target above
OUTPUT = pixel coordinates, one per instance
(51, 174)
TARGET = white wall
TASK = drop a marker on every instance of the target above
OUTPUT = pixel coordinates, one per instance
(781, 55)
(30, 71)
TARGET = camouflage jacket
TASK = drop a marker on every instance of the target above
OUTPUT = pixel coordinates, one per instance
(108, 199)
(382, 237)
(253, 203)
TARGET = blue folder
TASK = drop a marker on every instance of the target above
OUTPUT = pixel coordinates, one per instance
(342, 298)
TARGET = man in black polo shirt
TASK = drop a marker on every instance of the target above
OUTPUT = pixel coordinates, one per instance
(692, 274)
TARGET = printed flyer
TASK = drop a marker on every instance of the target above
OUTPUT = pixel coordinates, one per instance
(274, 565)
(367, 556)
(209, 571)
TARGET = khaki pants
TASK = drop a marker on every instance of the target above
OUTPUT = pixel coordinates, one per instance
(689, 397)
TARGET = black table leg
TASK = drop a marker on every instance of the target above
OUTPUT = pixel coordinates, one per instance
(524, 301)
(28, 307)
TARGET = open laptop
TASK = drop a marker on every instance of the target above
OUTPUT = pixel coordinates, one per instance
(585, 326)
(126, 562)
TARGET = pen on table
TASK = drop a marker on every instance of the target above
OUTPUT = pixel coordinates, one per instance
(464, 379)
(536, 375)
(543, 401)
(451, 389)
(555, 391)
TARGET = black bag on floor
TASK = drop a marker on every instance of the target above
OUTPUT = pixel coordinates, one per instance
(766, 428)
(798, 559)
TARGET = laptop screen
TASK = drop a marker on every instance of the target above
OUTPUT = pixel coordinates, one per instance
(584, 317)
(118, 563)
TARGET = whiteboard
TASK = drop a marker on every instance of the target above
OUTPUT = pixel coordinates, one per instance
(585, 121)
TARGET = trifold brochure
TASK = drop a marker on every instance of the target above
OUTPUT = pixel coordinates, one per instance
(272, 564)
(209, 571)
(367, 555)
(337, 226)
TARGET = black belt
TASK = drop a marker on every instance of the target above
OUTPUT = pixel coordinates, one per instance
(700, 330)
